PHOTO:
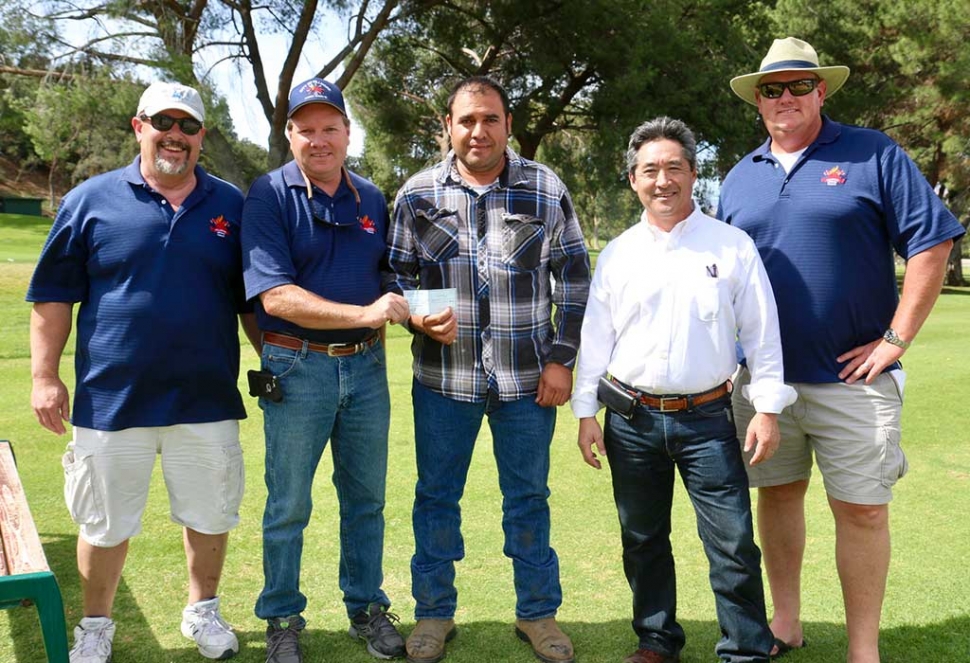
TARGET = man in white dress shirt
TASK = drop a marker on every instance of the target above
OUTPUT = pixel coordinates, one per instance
(668, 300)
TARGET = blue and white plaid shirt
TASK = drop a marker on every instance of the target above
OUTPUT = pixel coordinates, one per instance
(501, 247)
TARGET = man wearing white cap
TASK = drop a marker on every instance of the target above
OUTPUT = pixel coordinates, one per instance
(152, 254)
(827, 204)
(314, 237)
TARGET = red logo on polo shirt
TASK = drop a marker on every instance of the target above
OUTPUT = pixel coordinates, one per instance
(219, 226)
(834, 176)
(368, 225)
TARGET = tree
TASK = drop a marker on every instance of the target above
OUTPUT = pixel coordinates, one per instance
(173, 35)
(82, 127)
(570, 66)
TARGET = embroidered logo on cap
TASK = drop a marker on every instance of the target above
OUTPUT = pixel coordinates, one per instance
(315, 87)
(368, 225)
(219, 226)
(834, 176)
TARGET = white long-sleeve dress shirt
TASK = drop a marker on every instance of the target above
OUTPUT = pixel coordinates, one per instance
(666, 308)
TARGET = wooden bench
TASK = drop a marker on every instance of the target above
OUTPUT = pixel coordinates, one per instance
(25, 577)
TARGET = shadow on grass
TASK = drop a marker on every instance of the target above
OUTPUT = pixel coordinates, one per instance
(947, 290)
(25, 634)
(612, 641)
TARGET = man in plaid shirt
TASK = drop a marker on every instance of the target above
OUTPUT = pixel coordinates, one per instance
(498, 229)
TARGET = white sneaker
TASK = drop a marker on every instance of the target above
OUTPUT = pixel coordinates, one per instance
(92, 640)
(202, 622)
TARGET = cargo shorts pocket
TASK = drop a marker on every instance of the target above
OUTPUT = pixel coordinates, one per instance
(235, 480)
(894, 463)
(81, 494)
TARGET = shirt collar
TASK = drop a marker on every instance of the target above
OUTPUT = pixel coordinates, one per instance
(293, 177)
(132, 175)
(513, 174)
(829, 133)
(682, 229)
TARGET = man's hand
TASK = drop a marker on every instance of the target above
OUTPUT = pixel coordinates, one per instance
(391, 307)
(590, 435)
(868, 361)
(763, 436)
(555, 385)
(51, 403)
(441, 326)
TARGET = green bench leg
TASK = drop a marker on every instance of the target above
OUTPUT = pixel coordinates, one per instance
(42, 589)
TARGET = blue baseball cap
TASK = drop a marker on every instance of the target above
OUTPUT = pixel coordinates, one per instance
(316, 91)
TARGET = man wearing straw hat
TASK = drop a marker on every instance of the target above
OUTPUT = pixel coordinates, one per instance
(827, 204)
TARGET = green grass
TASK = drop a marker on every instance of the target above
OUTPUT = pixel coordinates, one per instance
(925, 618)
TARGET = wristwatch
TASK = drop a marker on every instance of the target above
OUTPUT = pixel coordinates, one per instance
(892, 338)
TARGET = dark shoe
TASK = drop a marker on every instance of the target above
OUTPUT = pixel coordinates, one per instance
(548, 642)
(376, 628)
(781, 648)
(426, 644)
(650, 656)
(283, 639)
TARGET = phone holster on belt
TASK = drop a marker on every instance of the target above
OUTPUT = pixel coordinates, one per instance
(264, 384)
(616, 398)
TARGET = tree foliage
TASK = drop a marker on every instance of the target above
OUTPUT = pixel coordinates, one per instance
(580, 77)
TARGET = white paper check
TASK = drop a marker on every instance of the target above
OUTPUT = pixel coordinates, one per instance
(426, 302)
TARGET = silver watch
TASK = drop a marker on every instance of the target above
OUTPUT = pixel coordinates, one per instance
(892, 338)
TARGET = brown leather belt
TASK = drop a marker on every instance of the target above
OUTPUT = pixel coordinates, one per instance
(680, 402)
(333, 349)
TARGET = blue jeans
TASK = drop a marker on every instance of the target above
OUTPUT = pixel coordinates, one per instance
(703, 446)
(445, 432)
(344, 400)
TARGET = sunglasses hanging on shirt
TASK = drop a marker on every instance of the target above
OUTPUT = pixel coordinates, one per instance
(325, 213)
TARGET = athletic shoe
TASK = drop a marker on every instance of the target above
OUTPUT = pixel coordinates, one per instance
(283, 639)
(92, 640)
(214, 637)
(376, 628)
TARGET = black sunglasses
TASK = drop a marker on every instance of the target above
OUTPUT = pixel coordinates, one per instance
(161, 122)
(797, 88)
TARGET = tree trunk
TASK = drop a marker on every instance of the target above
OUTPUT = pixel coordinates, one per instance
(954, 265)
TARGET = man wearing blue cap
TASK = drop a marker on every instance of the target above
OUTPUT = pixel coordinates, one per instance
(151, 252)
(827, 204)
(313, 241)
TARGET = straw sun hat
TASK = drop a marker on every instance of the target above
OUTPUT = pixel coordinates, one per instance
(790, 54)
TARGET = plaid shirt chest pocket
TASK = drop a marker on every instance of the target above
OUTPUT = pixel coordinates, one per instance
(436, 234)
(523, 238)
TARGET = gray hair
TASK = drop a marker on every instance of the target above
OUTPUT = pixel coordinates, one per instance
(662, 128)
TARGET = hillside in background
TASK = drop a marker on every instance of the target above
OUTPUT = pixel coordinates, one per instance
(27, 182)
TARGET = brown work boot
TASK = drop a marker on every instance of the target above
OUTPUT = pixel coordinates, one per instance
(649, 656)
(548, 642)
(426, 644)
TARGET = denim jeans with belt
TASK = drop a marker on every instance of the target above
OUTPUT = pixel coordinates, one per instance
(445, 433)
(343, 400)
(702, 444)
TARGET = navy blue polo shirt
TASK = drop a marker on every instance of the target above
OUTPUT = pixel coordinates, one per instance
(826, 232)
(337, 256)
(157, 332)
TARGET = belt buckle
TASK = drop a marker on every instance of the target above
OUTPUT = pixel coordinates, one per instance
(334, 348)
(663, 404)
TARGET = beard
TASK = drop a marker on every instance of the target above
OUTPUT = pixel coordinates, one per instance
(167, 167)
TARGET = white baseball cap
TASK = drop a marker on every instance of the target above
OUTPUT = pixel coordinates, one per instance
(171, 96)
